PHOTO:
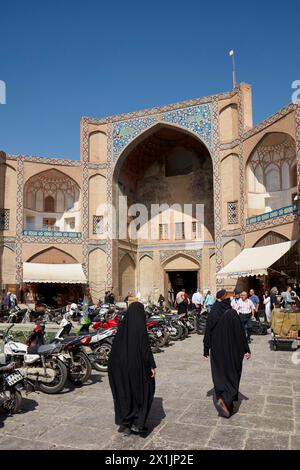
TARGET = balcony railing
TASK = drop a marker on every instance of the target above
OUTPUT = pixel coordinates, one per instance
(50, 233)
(292, 209)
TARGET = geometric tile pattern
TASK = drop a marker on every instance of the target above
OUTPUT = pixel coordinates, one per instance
(196, 119)
(241, 126)
(4, 219)
(165, 254)
(19, 217)
(98, 224)
(232, 212)
(109, 189)
(215, 153)
(284, 219)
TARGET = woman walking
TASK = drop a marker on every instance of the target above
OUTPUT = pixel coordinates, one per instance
(267, 304)
(225, 341)
(131, 372)
(209, 301)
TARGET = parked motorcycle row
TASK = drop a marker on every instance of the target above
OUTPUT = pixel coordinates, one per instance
(46, 367)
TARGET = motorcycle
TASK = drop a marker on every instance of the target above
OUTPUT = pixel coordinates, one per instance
(17, 315)
(160, 330)
(11, 381)
(74, 355)
(97, 344)
(41, 365)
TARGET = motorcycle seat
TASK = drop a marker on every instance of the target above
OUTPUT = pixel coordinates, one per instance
(47, 348)
(7, 367)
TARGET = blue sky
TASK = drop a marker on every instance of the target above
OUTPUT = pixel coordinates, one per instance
(64, 59)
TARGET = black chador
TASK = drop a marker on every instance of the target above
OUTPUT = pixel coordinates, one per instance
(225, 341)
(129, 371)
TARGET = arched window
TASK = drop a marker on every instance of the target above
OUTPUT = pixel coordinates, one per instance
(272, 178)
(293, 175)
(285, 175)
(259, 180)
(31, 200)
(70, 202)
(49, 204)
(60, 201)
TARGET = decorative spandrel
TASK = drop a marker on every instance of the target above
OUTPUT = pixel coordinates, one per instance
(196, 119)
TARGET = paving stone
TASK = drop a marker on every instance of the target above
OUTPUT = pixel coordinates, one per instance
(279, 411)
(198, 435)
(228, 438)
(264, 423)
(10, 442)
(275, 400)
(295, 442)
(258, 440)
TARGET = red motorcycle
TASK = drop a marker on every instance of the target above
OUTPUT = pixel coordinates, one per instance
(105, 321)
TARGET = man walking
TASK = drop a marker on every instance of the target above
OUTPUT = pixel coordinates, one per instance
(235, 299)
(197, 299)
(255, 301)
(287, 298)
(246, 310)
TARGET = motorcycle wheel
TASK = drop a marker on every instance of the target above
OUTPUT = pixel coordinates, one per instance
(81, 369)
(179, 331)
(153, 344)
(102, 353)
(161, 341)
(60, 378)
(185, 332)
(13, 405)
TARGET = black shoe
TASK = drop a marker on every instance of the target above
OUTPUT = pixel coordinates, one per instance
(137, 430)
(124, 430)
(222, 408)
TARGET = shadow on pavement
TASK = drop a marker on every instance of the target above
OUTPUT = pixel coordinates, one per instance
(27, 406)
(156, 415)
(237, 404)
(69, 387)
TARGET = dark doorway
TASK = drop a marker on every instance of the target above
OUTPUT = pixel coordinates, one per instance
(56, 294)
(187, 280)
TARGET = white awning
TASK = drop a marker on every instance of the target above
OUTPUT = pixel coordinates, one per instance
(255, 261)
(56, 273)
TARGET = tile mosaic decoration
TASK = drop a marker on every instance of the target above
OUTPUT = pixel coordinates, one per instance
(4, 219)
(166, 254)
(196, 119)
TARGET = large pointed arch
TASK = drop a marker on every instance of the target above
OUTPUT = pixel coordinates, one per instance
(271, 238)
(147, 133)
(192, 261)
(52, 255)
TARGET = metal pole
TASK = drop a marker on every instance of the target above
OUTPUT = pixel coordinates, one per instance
(233, 71)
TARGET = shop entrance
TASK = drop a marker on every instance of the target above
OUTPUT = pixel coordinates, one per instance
(187, 280)
(53, 294)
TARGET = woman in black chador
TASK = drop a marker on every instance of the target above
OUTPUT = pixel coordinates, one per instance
(225, 341)
(131, 372)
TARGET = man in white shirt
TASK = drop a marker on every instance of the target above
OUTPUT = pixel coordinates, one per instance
(197, 299)
(246, 310)
(235, 299)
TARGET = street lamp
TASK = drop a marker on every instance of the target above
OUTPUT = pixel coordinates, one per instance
(231, 54)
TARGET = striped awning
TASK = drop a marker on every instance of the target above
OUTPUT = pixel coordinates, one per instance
(255, 261)
(53, 273)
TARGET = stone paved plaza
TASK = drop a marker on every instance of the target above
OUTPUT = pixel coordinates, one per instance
(183, 415)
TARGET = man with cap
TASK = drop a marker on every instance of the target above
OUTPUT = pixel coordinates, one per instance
(235, 299)
(226, 344)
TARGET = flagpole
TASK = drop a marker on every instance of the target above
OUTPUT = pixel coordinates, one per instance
(231, 53)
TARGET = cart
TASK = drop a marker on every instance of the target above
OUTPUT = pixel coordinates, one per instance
(285, 327)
